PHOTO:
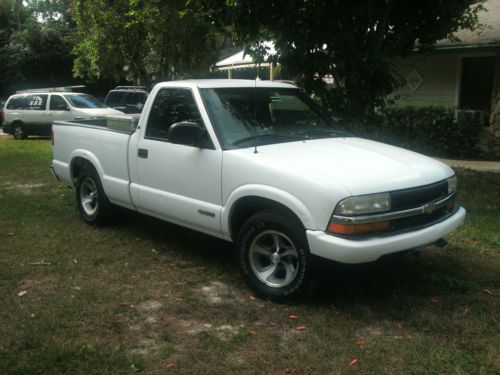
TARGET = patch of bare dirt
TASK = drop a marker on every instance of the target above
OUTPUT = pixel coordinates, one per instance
(194, 327)
(23, 188)
(218, 293)
(149, 306)
(147, 336)
(371, 331)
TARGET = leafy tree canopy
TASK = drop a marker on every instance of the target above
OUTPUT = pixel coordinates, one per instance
(355, 41)
(35, 43)
(138, 39)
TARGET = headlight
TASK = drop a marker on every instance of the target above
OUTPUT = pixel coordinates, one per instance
(452, 185)
(365, 204)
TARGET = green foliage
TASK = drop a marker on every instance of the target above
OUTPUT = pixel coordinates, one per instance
(431, 130)
(136, 40)
(110, 40)
(35, 43)
(353, 41)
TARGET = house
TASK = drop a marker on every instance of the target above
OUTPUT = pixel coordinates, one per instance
(463, 74)
(242, 60)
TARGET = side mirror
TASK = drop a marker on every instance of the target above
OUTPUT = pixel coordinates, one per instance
(186, 133)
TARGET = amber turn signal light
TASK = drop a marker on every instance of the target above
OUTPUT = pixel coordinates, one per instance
(451, 204)
(338, 228)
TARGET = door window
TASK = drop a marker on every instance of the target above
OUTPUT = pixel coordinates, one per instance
(37, 102)
(169, 107)
(57, 103)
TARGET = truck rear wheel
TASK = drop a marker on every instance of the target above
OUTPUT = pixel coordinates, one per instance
(92, 202)
(273, 256)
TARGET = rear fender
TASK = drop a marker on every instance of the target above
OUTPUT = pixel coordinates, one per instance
(88, 157)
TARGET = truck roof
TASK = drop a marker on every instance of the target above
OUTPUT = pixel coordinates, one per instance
(221, 83)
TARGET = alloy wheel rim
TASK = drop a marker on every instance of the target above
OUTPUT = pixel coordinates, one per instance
(18, 131)
(89, 196)
(274, 259)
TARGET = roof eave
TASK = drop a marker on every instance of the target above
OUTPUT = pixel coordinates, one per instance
(479, 47)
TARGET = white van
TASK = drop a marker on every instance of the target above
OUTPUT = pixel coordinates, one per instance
(33, 113)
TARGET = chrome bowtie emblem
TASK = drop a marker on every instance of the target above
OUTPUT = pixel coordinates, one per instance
(429, 208)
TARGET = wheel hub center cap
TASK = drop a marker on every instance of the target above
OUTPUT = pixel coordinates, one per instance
(275, 258)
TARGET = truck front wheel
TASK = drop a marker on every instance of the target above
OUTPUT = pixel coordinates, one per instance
(92, 202)
(273, 256)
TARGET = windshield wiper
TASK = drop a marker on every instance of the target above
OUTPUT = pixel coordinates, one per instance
(321, 133)
(259, 137)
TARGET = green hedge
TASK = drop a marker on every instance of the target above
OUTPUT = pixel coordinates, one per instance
(431, 130)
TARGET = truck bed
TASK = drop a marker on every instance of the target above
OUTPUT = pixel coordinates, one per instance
(106, 147)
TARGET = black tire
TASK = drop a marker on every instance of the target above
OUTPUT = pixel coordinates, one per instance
(94, 206)
(279, 270)
(18, 131)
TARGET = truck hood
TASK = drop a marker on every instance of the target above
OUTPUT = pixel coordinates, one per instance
(361, 166)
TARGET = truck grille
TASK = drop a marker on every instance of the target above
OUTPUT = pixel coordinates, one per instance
(409, 210)
(413, 197)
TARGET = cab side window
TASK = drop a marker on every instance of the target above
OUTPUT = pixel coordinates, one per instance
(171, 106)
(57, 103)
(36, 102)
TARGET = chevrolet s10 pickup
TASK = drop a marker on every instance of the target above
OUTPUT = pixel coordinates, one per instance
(260, 164)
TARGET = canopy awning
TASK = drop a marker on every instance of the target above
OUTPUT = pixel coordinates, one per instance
(241, 60)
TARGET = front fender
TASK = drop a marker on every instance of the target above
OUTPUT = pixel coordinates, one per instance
(267, 192)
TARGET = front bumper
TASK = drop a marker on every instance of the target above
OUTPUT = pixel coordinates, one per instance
(367, 250)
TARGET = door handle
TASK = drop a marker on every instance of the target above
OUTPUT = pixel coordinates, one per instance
(142, 153)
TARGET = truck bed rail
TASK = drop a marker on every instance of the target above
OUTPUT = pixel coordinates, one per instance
(123, 124)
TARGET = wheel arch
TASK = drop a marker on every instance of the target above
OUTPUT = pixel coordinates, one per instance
(96, 209)
(242, 206)
(79, 158)
(17, 121)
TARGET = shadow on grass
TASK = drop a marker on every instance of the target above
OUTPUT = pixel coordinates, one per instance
(30, 138)
(392, 282)
(189, 244)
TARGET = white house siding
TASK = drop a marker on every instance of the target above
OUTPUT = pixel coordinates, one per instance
(440, 75)
(439, 79)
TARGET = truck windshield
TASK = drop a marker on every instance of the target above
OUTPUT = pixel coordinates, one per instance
(84, 101)
(248, 116)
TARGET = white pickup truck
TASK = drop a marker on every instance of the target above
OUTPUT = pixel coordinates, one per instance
(261, 165)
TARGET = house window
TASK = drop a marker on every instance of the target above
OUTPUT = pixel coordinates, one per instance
(477, 83)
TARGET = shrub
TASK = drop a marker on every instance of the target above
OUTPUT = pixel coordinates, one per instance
(431, 130)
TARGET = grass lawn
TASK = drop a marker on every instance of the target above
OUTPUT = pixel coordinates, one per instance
(151, 297)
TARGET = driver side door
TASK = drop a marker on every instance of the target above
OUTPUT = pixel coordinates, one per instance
(176, 182)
